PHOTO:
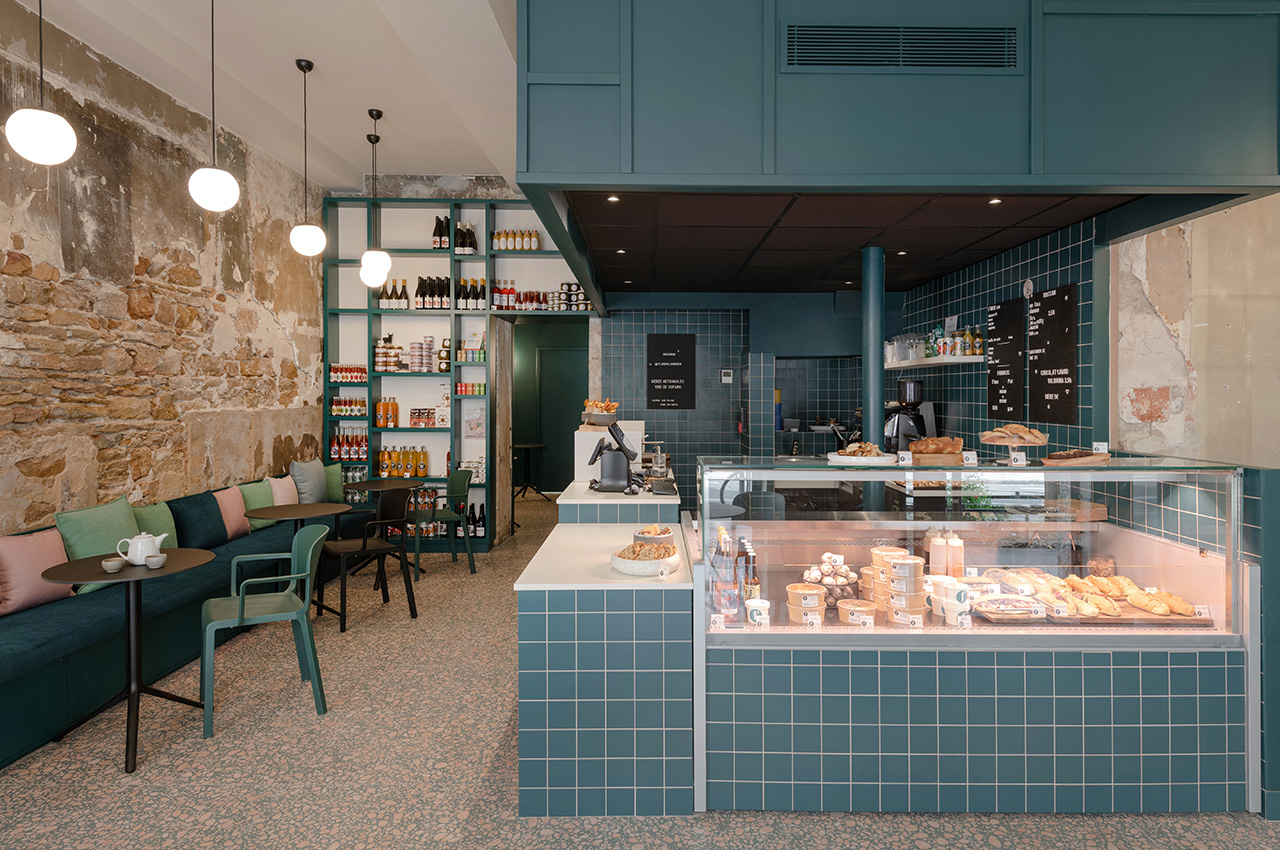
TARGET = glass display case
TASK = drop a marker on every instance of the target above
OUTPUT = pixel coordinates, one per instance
(970, 554)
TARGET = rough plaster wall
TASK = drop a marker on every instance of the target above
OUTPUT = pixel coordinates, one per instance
(1198, 349)
(146, 348)
(488, 187)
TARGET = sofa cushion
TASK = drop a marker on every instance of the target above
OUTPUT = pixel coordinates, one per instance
(231, 504)
(309, 477)
(96, 530)
(156, 520)
(199, 521)
(333, 483)
(283, 491)
(22, 559)
(257, 494)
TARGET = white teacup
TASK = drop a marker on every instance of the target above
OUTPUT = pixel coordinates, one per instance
(155, 562)
(113, 565)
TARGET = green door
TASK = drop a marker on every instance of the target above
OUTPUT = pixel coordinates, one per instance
(562, 385)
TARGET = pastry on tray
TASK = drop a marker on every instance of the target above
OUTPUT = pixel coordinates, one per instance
(1076, 457)
(937, 446)
(861, 450)
(1014, 434)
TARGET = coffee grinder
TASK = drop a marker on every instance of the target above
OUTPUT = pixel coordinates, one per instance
(906, 423)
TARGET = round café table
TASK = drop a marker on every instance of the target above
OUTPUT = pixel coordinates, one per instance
(382, 485)
(298, 513)
(89, 570)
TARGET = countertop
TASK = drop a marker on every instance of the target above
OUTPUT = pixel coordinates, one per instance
(578, 555)
(578, 493)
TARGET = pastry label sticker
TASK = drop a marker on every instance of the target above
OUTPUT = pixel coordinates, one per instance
(964, 620)
(763, 621)
(1150, 589)
(862, 621)
(970, 572)
(812, 619)
(915, 621)
(1202, 610)
(898, 584)
(898, 601)
(808, 600)
(969, 458)
(1060, 610)
(1018, 458)
(1024, 589)
(1037, 610)
(717, 622)
(1100, 448)
(901, 569)
(904, 458)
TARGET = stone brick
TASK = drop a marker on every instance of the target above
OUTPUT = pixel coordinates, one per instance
(111, 304)
(163, 407)
(182, 276)
(44, 271)
(41, 467)
(116, 361)
(141, 268)
(165, 312)
(129, 408)
(22, 415)
(17, 264)
(142, 304)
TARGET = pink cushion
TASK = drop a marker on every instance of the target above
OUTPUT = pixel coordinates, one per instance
(231, 503)
(22, 559)
(283, 491)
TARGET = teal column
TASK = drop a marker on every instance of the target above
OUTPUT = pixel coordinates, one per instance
(873, 345)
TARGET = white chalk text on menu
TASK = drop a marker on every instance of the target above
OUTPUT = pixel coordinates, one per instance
(1006, 338)
(672, 372)
(1052, 331)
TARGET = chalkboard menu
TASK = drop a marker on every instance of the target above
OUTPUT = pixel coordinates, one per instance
(1006, 334)
(672, 372)
(1051, 355)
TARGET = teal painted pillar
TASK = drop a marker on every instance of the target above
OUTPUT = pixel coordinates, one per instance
(873, 345)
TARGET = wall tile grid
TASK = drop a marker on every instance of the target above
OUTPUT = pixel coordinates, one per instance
(712, 428)
(606, 702)
(816, 388)
(744, 403)
(975, 731)
(761, 377)
(640, 513)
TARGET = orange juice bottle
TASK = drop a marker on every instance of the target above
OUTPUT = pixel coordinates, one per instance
(380, 414)
(384, 463)
(422, 461)
(393, 415)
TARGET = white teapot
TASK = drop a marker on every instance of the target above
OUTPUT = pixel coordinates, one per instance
(140, 547)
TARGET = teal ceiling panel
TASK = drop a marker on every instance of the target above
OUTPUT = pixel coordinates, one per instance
(1167, 94)
(574, 37)
(696, 87)
(574, 128)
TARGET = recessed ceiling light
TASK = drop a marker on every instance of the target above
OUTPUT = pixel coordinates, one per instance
(626, 281)
(902, 253)
(848, 283)
(621, 251)
(995, 201)
(613, 198)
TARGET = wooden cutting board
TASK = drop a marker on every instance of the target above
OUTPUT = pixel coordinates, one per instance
(1084, 511)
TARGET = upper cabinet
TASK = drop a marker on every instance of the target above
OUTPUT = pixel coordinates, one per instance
(1081, 95)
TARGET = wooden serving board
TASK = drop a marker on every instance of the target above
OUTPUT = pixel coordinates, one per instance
(1091, 460)
(1084, 511)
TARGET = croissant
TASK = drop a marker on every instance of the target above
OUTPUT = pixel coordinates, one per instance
(1139, 598)
(1176, 604)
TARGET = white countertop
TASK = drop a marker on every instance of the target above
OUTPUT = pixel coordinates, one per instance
(578, 555)
(578, 493)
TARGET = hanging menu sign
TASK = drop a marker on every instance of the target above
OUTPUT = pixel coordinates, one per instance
(672, 371)
(1052, 355)
(1006, 335)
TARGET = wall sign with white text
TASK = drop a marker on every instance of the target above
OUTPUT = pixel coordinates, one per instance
(672, 374)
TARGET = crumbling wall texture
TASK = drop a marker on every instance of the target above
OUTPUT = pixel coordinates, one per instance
(147, 348)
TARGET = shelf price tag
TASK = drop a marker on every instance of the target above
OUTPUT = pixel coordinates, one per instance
(1202, 610)
(1018, 458)
(904, 458)
(964, 620)
(970, 572)
(1037, 610)
(1100, 448)
(1060, 610)
(915, 621)
(717, 622)
(969, 458)
(1024, 590)
(1150, 589)
(813, 619)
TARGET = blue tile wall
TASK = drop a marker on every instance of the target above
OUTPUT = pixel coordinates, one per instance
(760, 422)
(606, 702)
(975, 731)
(816, 388)
(712, 428)
(641, 513)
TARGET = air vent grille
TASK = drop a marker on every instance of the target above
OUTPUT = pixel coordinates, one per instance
(843, 46)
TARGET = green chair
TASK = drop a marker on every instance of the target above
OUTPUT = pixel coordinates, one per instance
(246, 609)
(457, 491)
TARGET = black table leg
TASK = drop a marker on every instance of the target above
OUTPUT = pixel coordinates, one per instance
(133, 669)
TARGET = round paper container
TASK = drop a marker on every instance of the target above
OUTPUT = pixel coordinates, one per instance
(901, 566)
(847, 607)
(796, 614)
(907, 601)
(805, 595)
(880, 553)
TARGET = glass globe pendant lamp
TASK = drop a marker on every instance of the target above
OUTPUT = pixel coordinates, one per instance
(375, 263)
(213, 188)
(307, 239)
(36, 134)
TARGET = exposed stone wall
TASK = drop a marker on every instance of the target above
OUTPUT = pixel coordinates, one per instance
(1197, 352)
(147, 348)
(486, 187)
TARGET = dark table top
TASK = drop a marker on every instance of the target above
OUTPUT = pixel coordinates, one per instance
(529, 445)
(377, 484)
(85, 570)
(308, 511)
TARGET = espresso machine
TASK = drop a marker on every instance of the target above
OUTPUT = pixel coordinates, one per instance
(906, 422)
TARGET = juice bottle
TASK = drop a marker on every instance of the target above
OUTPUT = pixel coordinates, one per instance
(380, 414)
(393, 416)
(384, 463)
(422, 462)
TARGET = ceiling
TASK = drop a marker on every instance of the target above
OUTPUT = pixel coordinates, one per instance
(681, 242)
(442, 71)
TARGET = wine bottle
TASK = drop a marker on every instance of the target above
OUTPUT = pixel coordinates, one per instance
(471, 520)
(435, 234)
(473, 296)
(482, 299)
(444, 237)
(481, 523)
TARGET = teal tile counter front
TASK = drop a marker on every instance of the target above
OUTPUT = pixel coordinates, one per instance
(976, 731)
(579, 503)
(606, 702)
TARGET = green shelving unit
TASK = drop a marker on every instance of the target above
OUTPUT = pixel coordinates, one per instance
(341, 316)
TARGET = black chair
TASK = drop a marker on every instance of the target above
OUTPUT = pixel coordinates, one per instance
(375, 544)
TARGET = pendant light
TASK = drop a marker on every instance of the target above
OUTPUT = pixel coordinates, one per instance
(307, 239)
(375, 263)
(38, 135)
(213, 188)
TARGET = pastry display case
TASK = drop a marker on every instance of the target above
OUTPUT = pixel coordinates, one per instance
(974, 555)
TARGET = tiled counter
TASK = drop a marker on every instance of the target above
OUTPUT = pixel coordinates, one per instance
(605, 681)
(579, 503)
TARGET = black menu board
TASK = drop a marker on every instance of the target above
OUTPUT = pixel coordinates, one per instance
(672, 372)
(1006, 334)
(1051, 355)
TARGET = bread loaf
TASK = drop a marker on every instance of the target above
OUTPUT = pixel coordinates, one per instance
(1139, 598)
(1107, 586)
(1176, 604)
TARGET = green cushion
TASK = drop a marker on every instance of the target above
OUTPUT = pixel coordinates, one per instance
(157, 520)
(199, 521)
(96, 530)
(333, 478)
(257, 494)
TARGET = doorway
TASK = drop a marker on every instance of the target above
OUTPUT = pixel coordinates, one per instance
(550, 382)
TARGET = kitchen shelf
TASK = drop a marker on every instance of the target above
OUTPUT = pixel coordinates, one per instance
(409, 374)
(929, 362)
(512, 253)
(411, 430)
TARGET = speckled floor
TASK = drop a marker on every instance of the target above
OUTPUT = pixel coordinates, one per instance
(419, 750)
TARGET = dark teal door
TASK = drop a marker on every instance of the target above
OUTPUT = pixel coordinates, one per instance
(562, 385)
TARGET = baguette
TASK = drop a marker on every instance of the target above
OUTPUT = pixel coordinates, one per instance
(1079, 585)
(1125, 583)
(1176, 604)
(1107, 586)
(1139, 598)
(1048, 597)
(1106, 606)
(1084, 605)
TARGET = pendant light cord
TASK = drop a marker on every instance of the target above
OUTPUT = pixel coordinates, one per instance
(304, 145)
(40, 38)
(213, 87)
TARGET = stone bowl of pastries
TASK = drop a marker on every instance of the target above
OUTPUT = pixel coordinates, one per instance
(647, 559)
(1076, 457)
(837, 580)
(599, 412)
(937, 451)
(654, 534)
(1014, 434)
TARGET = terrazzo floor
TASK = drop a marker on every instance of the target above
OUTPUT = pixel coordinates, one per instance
(419, 750)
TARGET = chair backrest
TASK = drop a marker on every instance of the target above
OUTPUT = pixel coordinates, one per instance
(307, 545)
(393, 506)
(457, 488)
